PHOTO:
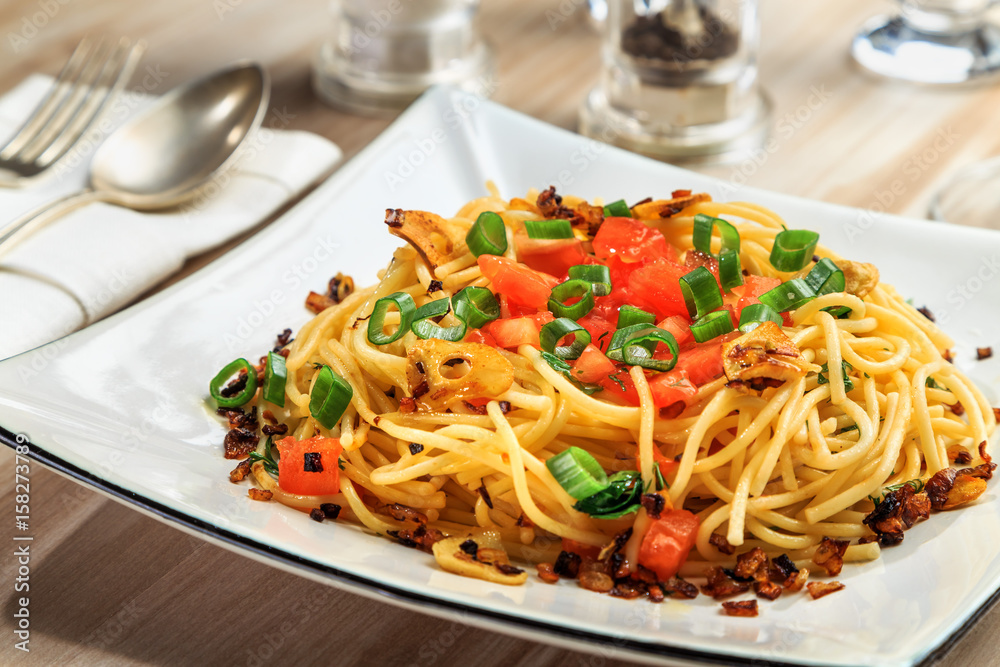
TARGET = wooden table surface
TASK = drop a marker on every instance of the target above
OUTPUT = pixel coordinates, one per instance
(109, 585)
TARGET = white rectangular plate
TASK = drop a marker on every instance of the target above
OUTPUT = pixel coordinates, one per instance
(121, 405)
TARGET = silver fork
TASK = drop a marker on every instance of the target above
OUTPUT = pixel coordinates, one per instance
(91, 78)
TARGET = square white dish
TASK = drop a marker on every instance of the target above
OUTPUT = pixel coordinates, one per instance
(121, 405)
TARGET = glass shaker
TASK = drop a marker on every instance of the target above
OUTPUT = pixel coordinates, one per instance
(679, 80)
(932, 41)
(384, 53)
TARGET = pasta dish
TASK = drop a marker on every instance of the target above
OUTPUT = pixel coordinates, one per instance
(629, 396)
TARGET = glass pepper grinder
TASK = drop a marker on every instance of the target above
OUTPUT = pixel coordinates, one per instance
(679, 80)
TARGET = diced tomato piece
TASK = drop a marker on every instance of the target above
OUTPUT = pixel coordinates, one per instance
(702, 362)
(510, 333)
(748, 294)
(754, 286)
(508, 309)
(480, 336)
(551, 256)
(679, 326)
(670, 387)
(666, 388)
(631, 241)
(319, 476)
(656, 287)
(522, 285)
(668, 541)
(694, 258)
(592, 366)
(600, 329)
(581, 549)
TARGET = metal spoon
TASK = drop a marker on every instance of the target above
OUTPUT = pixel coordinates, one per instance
(164, 155)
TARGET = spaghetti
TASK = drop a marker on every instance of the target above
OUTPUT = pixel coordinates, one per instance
(786, 451)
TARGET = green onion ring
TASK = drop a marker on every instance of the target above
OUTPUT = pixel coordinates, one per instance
(548, 229)
(563, 292)
(223, 377)
(556, 330)
(425, 328)
(793, 249)
(329, 398)
(488, 235)
(712, 325)
(376, 322)
(275, 376)
(577, 472)
(475, 306)
(701, 292)
(598, 275)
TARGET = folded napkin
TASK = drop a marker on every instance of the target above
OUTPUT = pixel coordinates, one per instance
(98, 258)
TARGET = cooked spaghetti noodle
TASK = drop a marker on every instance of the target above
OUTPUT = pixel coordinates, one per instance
(780, 467)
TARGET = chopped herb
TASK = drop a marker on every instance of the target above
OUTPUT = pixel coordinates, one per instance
(267, 458)
(614, 377)
(916, 484)
(660, 482)
(933, 384)
(566, 371)
(824, 375)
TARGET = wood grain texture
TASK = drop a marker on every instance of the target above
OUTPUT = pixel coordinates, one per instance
(111, 586)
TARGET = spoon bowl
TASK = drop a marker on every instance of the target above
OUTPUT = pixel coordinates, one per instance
(164, 154)
(168, 152)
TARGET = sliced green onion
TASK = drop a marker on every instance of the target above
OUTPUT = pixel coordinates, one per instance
(222, 378)
(621, 496)
(425, 328)
(376, 323)
(577, 472)
(570, 289)
(788, 296)
(755, 314)
(598, 275)
(712, 325)
(488, 236)
(617, 209)
(701, 292)
(629, 315)
(635, 344)
(825, 278)
(793, 249)
(330, 396)
(475, 306)
(548, 229)
(275, 375)
(730, 269)
(839, 312)
(701, 237)
(556, 330)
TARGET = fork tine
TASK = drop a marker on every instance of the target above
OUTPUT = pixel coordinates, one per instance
(83, 86)
(53, 98)
(115, 76)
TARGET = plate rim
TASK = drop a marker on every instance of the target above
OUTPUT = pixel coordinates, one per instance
(539, 630)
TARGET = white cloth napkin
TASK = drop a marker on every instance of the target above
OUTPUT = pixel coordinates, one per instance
(96, 259)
